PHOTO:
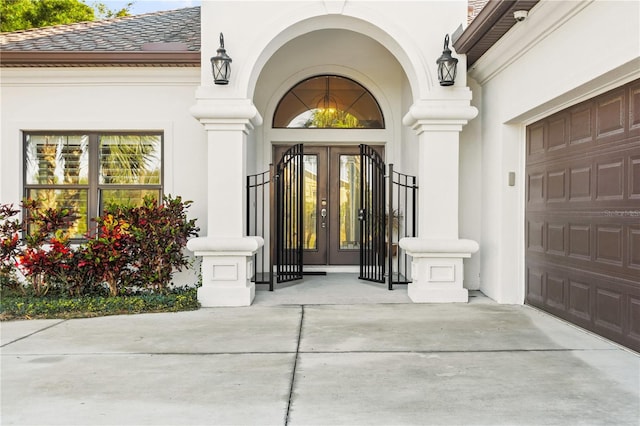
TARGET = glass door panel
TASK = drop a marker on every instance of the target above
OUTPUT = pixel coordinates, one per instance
(314, 226)
(349, 226)
(310, 225)
(344, 199)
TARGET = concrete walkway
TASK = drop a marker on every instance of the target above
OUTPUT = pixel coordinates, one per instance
(301, 364)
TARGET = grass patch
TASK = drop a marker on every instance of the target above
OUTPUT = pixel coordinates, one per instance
(25, 307)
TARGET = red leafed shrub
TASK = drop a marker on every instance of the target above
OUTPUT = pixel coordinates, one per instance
(47, 258)
(130, 249)
(10, 229)
(159, 234)
(108, 254)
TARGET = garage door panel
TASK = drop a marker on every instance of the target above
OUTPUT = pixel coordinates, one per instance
(634, 177)
(590, 244)
(557, 133)
(582, 129)
(634, 248)
(634, 110)
(596, 180)
(609, 179)
(634, 318)
(556, 291)
(583, 214)
(580, 300)
(609, 244)
(580, 183)
(535, 140)
(580, 241)
(534, 285)
(556, 239)
(608, 312)
(535, 236)
(610, 117)
(556, 182)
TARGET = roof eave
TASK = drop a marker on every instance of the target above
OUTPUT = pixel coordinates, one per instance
(87, 59)
(484, 29)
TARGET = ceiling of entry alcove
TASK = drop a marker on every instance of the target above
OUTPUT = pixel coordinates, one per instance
(330, 51)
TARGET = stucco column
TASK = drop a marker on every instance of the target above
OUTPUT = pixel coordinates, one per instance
(437, 253)
(226, 252)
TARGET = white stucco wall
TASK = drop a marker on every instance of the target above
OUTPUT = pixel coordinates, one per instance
(254, 30)
(390, 47)
(107, 99)
(563, 53)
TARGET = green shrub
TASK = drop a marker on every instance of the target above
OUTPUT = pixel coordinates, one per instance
(29, 307)
(131, 250)
(157, 236)
(10, 229)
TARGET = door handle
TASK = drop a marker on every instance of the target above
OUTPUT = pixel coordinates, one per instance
(323, 215)
(361, 214)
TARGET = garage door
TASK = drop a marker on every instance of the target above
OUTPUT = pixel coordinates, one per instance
(583, 215)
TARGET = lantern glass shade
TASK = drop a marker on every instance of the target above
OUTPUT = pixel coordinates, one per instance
(447, 66)
(221, 65)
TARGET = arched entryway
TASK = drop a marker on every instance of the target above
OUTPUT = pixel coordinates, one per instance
(422, 125)
(332, 173)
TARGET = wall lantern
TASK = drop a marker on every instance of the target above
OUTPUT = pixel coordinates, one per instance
(447, 65)
(221, 65)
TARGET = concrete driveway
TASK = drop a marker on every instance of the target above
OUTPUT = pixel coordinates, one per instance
(296, 364)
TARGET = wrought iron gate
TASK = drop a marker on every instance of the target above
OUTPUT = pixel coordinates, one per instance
(289, 206)
(387, 214)
(372, 215)
(260, 195)
(402, 199)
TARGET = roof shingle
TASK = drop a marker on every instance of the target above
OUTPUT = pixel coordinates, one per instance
(178, 29)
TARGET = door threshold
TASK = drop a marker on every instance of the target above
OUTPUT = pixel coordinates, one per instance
(332, 269)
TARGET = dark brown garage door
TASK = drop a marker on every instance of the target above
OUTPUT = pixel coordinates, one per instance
(583, 215)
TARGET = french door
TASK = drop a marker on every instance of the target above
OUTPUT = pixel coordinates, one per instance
(332, 197)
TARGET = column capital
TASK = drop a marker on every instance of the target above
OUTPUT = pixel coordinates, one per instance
(440, 115)
(226, 114)
(438, 247)
(220, 246)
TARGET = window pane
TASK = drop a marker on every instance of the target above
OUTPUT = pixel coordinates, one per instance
(349, 202)
(130, 159)
(127, 197)
(328, 101)
(57, 159)
(73, 199)
(310, 201)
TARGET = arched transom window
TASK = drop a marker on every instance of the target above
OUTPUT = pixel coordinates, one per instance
(328, 102)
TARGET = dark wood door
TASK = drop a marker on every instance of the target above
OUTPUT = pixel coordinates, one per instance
(344, 197)
(583, 215)
(332, 200)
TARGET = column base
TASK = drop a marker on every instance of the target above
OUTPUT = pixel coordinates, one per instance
(211, 296)
(437, 269)
(428, 293)
(227, 269)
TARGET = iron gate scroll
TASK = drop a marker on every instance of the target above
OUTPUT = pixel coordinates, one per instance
(289, 214)
(372, 215)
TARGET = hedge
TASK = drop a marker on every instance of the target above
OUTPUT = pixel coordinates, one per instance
(16, 307)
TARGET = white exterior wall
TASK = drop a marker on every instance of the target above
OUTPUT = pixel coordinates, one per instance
(108, 99)
(563, 53)
(390, 47)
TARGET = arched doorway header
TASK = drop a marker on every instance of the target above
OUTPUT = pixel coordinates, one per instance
(328, 101)
(395, 41)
